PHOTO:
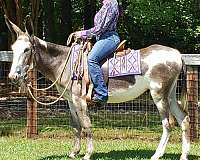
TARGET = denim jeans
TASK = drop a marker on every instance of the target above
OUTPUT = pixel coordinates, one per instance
(103, 48)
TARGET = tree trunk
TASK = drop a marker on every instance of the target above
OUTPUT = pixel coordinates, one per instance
(35, 8)
(66, 20)
(3, 32)
(13, 10)
(89, 13)
(49, 19)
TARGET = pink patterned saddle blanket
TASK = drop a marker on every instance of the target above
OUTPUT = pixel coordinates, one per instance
(126, 65)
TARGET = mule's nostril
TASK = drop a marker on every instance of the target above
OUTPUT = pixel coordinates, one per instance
(14, 76)
(18, 71)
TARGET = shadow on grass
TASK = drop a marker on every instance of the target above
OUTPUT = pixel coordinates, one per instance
(54, 157)
(123, 155)
(138, 154)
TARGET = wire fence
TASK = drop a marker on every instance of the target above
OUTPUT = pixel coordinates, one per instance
(140, 114)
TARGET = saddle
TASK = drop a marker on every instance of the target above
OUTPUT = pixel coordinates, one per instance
(121, 51)
(82, 73)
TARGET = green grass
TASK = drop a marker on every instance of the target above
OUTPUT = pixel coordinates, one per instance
(101, 119)
(127, 136)
(57, 148)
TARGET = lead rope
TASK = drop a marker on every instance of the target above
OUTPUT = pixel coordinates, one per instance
(50, 103)
(29, 85)
(59, 77)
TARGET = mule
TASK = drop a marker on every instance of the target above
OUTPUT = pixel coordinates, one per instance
(160, 65)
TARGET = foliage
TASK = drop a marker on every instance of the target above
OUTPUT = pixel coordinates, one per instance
(173, 23)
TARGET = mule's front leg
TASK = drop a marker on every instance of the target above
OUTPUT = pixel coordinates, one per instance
(77, 144)
(76, 131)
(81, 108)
(89, 140)
(86, 125)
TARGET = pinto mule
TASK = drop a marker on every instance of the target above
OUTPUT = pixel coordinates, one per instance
(160, 65)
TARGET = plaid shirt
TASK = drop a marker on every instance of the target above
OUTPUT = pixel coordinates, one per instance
(105, 20)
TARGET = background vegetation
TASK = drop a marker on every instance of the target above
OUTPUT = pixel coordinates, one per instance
(174, 23)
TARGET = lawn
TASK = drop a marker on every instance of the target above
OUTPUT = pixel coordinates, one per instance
(118, 135)
(17, 148)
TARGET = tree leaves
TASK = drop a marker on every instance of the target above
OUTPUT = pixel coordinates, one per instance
(173, 23)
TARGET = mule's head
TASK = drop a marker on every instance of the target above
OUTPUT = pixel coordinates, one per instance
(22, 50)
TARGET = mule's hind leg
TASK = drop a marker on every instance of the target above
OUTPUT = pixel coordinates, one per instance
(183, 121)
(76, 131)
(162, 104)
(81, 108)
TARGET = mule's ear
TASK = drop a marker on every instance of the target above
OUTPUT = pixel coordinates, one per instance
(29, 25)
(12, 27)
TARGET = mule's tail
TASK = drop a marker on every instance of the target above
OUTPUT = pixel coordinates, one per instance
(183, 98)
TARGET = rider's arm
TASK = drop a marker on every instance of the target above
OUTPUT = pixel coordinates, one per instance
(105, 19)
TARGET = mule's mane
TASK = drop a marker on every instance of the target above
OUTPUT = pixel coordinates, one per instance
(49, 57)
(53, 49)
(56, 49)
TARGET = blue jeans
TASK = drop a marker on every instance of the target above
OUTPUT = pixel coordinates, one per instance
(103, 48)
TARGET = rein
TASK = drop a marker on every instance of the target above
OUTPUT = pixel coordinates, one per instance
(29, 85)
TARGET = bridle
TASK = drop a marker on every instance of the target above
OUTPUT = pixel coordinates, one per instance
(28, 66)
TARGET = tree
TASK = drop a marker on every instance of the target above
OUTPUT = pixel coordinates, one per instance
(65, 20)
(144, 22)
(16, 13)
(49, 20)
(35, 13)
(172, 23)
(89, 9)
(13, 10)
(3, 32)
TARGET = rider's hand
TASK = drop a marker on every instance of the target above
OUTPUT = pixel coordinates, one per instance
(78, 34)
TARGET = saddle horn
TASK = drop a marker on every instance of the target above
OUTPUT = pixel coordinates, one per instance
(69, 40)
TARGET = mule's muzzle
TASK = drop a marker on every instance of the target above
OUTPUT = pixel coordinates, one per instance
(19, 74)
(17, 79)
(14, 76)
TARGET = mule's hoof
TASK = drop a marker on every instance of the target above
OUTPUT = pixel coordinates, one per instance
(152, 158)
(72, 156)
(183, 158)
(86, 157)
(155, 157)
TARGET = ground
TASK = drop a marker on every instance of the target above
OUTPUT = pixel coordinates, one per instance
(113, 147)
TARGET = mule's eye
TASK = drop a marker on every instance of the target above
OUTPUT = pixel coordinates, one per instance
(27, 49)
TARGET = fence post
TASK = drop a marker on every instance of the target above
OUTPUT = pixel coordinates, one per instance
(192, 93)
(32, 109)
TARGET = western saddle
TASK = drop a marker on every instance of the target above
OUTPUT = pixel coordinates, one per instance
(87, 86)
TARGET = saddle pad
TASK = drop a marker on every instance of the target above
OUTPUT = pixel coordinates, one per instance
(125, 65)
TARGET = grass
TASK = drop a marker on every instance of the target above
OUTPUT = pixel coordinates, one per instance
(99, 119)
(15, 148)
(127, 136)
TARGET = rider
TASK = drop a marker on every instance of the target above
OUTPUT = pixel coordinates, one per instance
(107, 40)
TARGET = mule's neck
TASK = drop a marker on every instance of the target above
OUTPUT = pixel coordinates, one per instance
(50, 58)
